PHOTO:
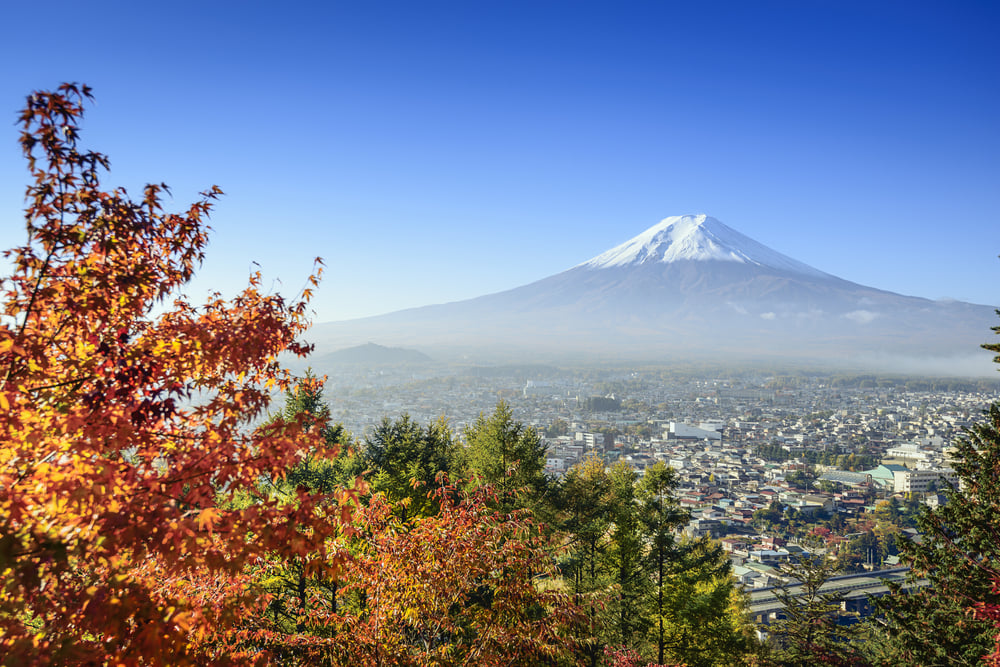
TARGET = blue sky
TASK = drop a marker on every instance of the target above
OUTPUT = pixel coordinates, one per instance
(434, 151)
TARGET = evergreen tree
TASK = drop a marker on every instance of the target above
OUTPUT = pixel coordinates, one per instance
(958, 550)
(584, 504)
(694, 615)
(326, 468)
(404, 460)
(672, 601)
(958, 554)
(811, 632)
(507, 454)
(660, 514)
(706, 616)
(627, 617)
(292, 584)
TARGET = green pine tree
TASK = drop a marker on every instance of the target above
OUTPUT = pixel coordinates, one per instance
(812, 631)
(626, 611)
(332, 466)
(584, 503)
(660, 514)
(707, 624)
(294, 591)
(508, 455)
(404, 460)
(958, 551)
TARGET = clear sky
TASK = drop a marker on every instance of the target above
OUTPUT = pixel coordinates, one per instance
(434, 151)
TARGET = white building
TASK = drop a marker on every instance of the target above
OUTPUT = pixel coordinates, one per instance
(919, 481)
(693, 432)
(590, 440)
(909, 452)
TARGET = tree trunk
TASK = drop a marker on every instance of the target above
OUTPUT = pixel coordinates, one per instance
(300, 625)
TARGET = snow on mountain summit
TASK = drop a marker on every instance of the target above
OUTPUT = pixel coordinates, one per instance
(698, 238)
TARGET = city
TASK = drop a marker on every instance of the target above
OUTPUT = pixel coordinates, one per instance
(835, 454)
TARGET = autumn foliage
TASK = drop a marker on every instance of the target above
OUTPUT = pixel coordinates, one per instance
(991, 611)
(124, 410)
(147, 512)
(464, 586)
(626, 657)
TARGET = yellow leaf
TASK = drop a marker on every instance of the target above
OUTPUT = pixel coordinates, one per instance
(207, 518)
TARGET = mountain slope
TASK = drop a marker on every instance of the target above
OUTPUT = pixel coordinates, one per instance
(373, 355)
(687, 286)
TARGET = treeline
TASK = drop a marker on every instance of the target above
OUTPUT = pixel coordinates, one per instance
(623, 587)
(607, 534)
(602, 404)
(912, 384)
(871, 381)
(853, 462)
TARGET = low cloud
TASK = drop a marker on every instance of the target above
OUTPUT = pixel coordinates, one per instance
(861, 316)
(767, 316)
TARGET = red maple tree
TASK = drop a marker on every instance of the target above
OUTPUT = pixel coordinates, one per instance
(139, 523)
(991, 611)
(124, 411)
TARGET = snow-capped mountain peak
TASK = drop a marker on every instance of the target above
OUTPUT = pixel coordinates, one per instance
(698, 238)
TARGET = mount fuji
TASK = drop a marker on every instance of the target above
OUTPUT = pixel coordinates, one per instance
(689, 287)
(697, 238)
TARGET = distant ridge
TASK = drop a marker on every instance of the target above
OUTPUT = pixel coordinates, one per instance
(372, 354)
